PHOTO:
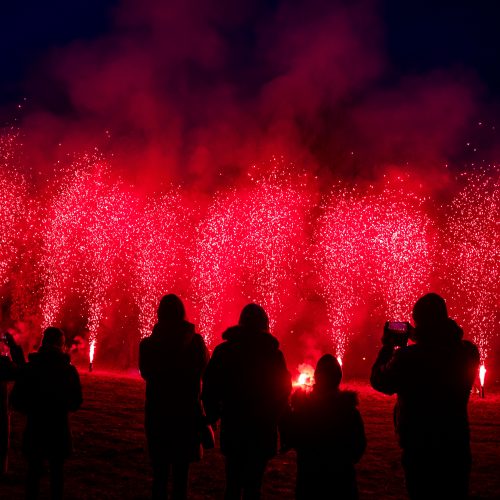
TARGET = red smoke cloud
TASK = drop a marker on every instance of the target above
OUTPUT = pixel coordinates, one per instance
(189, 90)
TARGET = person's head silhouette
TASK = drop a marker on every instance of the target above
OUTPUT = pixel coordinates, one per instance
(429, 310)
(328, 373)
(171, 309)
(53, 338)
(254, 317)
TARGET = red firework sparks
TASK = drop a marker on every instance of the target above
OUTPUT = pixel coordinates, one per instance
(161, 238)
(88, 235)
(249, 246)
(374, 243)
(87, 240)
(472, 256)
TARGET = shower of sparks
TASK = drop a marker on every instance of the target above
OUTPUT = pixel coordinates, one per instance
(472, 256)
(248, 248)
(13, 209)
(86, 242)
(371, 244)
(85, 237)
(161, 237)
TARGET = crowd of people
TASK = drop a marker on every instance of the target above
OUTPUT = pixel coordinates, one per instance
(244, 389)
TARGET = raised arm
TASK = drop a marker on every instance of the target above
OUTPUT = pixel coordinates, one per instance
(386, 371)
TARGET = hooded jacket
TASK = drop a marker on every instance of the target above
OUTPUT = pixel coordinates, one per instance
(328, 426)
(8, 372)
(247, 386)
(327, 431)
(171, 361)
(433, 379)
(46, 390)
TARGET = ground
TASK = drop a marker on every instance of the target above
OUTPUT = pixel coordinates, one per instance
(110, 461)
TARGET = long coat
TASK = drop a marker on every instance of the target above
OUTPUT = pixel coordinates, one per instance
(8, 372)
(327, 431)
(433, 379)
(171, 361)
(46, 390)
(247, 386)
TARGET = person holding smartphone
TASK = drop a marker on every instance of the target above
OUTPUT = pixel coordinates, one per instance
(8, 371)
(432, 378)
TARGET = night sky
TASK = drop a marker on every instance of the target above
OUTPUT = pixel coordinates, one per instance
(419, 35)
(203, 84)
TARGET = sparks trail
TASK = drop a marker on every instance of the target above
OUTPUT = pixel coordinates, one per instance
(13, 208)
(471, 252)
(91, 239)
(249, 247)
(161, 240)
(373, 243)
(87, 243)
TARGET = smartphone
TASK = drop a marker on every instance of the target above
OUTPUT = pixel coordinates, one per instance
(397, 333)
(398, 326)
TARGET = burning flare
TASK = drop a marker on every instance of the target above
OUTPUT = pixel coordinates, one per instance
(482, 373)
(91, 351)
(305, 380)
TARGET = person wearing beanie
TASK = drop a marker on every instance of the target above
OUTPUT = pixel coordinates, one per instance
(326, 430)
(432, 378)
(46, 390)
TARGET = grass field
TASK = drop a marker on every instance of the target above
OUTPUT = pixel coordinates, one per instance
(110, 461)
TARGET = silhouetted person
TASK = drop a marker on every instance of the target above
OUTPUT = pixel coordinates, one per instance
(46, 390)
(172, 360)
(247, 386)
(8, 370)
(433, 379)
(326, 429)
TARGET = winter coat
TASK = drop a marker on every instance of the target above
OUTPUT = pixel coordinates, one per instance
(8, 372)
(247, 386)
(46, 390)
(327, 431)
(433, 379)
(171, 361)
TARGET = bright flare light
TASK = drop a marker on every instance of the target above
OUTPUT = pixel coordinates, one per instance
(92, 351)
(305, 380)
(482, 373)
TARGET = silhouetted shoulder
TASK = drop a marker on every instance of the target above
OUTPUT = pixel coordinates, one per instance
(198, 340)
(348, 399)
(239, 334)
(231, 333)
(145, 342)
(471, 350)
